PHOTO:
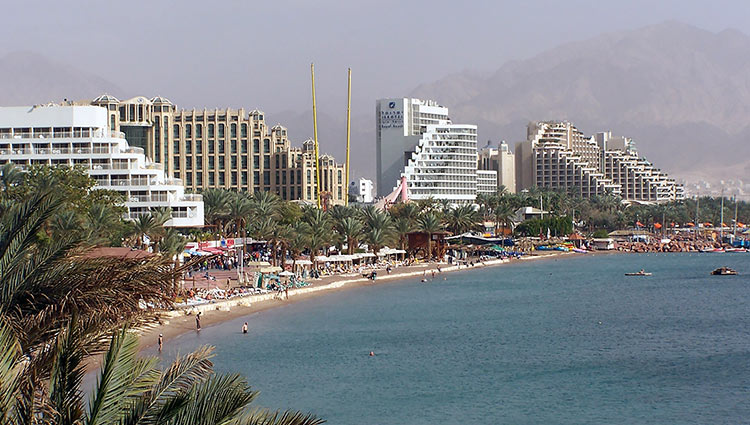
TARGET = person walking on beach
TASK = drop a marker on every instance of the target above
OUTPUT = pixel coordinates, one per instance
(161, 342)
(244, 328)
(198, 320)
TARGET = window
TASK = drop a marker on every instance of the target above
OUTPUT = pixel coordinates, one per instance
(291, 177)
(210, 131)
(339, 179)
(176, 162)
(244, 130)
(266, 161)
(309, 177)
(211, 147)
(256, 162)
(277, 161)
(188, 131)
(234, 146)
(198, 162)
(222, 179)
(198, 147)
(276, 178)
(244, 179)
(221, 162)
(211, 162)
(234, 162)
(244, 162)
(234, 179)
(256, 146)
(132, 113)
(122, 113)
(233, 130)
(266, 178)
(176, 131)
(211, 179)
(221, 131)
(198, 131)
(221, 146)
(266, 146)
(188, 163)
(256, 177)
(283, 178)
(244, 146)
(188, 147)
(189, 179)
(199, 179)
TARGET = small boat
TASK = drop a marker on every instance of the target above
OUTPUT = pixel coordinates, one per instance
(724, 271)
(713, 250)
(735, 250)
(640, 273)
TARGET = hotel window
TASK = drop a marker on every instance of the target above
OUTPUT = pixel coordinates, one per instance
(188, 131)
(266, 178)
(221, 146)
(211, 179)
(244, 146)
(277, 161)
(198, 162)
(244, 162)
(199, 179)
(243, 131)
(198, 147)
(244, 179)
(234, 162)
(309, 174)
(256, 177)
(211, 162)
(222, 179)
(122, 113)
(233, 130)
(198, 131)
(291, 192)
(189, 163)
(189, 179)
(221, 131)
(234, 146)
(188, 147)
(291, 176)
(177, 163)
(210, 131)
(339, 177)
(256, 146)
(176, 146)
(234, 179)
(276, 178)
(256, 162)
(132, 113)
(266, 162)
(283, 178)
(211, 147)
(266, 146)
(221, 162)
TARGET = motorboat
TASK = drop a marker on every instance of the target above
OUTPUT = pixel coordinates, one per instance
(724, 271)
(640, 273)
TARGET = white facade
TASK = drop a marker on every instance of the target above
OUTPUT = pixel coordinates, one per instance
(416, 140)
(487, 182)
(80, 135)
(502, 161)
(361, 191)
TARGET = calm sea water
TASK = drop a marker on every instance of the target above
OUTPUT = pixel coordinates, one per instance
(566, 341)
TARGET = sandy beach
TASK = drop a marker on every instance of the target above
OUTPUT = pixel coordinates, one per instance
(174, 323)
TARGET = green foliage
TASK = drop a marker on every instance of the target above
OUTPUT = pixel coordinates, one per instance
(601, 234)
(558, 226)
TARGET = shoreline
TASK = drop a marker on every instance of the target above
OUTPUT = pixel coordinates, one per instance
(178, 322)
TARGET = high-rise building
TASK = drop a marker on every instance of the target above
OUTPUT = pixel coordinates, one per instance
(67, 135)
(416, 140)
(557, 155)
(226, 148)
(502, 161)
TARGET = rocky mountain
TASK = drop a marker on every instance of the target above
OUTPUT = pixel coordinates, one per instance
(682, 93)
(28, 78)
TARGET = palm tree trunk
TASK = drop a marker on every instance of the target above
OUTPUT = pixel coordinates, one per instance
(429, 247)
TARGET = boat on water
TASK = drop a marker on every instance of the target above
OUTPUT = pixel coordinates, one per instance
(640, 273)
(724, 271)
(735, 250)
(714, 250)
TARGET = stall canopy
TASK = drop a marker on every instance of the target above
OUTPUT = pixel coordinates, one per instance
(300, 262)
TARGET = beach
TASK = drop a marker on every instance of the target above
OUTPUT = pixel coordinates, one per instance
(174, 323)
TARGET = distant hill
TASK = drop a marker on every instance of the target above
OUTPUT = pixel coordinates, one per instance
(28, 78)
(682, 93)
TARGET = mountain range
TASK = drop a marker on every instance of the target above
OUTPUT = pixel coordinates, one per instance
(682, 93)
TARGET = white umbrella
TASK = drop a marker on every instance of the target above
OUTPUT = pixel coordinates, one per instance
(286, 273)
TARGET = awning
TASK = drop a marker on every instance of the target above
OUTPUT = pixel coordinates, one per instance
(271, 269)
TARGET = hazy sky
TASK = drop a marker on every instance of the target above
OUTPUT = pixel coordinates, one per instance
(257, 54)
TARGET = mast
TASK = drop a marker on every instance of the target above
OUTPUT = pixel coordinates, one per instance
(315, 136)
(734, 230)
(697, 205)
(348, 133)
(721, 229)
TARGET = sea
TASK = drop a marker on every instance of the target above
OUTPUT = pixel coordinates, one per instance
(567, 340)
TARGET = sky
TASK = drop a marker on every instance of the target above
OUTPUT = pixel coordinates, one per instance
(258, 53)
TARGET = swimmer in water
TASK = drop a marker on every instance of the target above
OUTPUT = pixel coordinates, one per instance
(244, 328)
(372, 354)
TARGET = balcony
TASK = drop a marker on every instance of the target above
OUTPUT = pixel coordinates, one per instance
(78, 134)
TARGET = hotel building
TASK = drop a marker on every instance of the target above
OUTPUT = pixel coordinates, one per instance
(557, 155)
(67, 135)
(225, 148)
(416, 140)
(503, 162)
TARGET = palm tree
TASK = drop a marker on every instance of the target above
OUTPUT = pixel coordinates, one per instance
(461, 219)
(10, 176)
(350, 228)
(145, 224)
(171, 246)
(402, 227)
(430, 224)
(239, 209)
(319, 230)
(503, 214)
(216, 206)
(128, 389)
(298, 241)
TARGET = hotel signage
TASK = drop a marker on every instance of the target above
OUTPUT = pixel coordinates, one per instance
(391, 116)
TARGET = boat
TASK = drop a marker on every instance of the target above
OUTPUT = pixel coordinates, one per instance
(714, 250)
(724, 271)
(640, 273)
(735, 250)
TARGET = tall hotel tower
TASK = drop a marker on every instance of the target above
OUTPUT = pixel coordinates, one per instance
(416, 140)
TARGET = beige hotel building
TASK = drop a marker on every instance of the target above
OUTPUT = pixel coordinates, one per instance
(225, 148)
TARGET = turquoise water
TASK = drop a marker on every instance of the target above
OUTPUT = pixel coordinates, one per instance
(566, 341)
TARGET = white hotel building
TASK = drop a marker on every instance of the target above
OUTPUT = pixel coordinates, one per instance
(70, 135)
(416, 140)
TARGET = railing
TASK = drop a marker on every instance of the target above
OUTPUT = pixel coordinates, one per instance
(78, 134)
(70, 151)
(192, 197)
(147, 198)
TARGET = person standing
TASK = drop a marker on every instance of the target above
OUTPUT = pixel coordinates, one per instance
(161, 341)
(244, 328)
(198, 320)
